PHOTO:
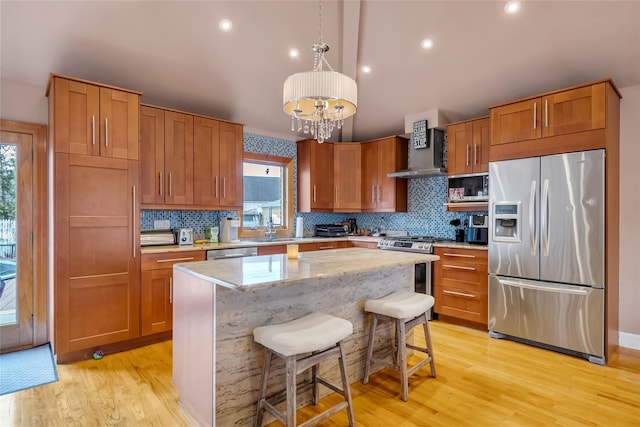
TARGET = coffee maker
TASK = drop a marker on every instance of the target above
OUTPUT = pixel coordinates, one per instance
(229, 229)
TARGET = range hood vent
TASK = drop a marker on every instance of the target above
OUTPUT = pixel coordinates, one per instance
(428, 161)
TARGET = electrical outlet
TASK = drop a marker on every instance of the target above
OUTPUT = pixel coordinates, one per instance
(161, 224)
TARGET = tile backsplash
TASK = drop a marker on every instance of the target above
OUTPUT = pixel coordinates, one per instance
(426, 211)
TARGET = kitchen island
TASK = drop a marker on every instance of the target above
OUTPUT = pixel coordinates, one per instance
(216, 305)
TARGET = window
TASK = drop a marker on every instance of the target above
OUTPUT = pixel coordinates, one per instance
(267, 195)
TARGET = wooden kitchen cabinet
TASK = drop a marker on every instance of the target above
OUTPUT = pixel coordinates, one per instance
(304, 247)
(96, 265)
(572, 119)
(347, 177)
(315, 176)
(460, 284)
(93, 119)
(178, 158)
(156, 290)
(231, 150)
(468, 144)
(379, 192)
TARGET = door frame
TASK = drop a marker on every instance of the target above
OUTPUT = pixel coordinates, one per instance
(41, 214)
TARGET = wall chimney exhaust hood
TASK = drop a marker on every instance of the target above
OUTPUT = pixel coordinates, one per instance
(431, 160)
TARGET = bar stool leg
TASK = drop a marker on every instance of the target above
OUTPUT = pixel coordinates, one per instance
(345, 386)
(402, 358)
(372, 333)
(427, 338)
(316, 384)
(290, 367)
(266, 366)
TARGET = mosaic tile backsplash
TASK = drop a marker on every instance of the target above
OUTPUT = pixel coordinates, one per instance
(426, 214)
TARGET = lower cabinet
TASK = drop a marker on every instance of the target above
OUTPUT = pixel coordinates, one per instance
(156, 297)
(363, 244)
(460, 284)
(304, 247)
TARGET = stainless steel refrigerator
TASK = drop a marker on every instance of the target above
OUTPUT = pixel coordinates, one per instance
(546, 251)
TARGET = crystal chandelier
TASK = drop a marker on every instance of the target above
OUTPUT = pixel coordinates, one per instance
(318, 101)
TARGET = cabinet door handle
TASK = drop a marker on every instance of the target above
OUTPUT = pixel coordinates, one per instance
(175, 259)
(467, 154)
(459, 255)
(535, 114)
(170, 185)
(335, 192)
(133, 221)
(458, 267)
(106, 132)
(314, 193)
(546, 113)
(459, 294)
(160, 180)
(224, 187)
(379, 193)
(373, 194)
(171, 290)
(326, 247)
(217, 187)
(475, 154)
(93, 130)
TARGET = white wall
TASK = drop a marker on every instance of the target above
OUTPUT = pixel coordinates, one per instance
(629, 215)
(28, 103)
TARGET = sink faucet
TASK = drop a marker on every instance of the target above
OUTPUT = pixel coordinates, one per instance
(270, 232)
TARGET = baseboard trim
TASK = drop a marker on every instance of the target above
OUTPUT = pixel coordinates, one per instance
(628, 340)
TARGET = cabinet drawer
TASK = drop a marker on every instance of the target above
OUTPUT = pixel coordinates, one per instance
(460, 275)
(167, 259)
(333, 245)
(458, 255)
(272, 249)
(461, 303)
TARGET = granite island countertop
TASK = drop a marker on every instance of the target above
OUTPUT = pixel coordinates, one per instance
(250, 273)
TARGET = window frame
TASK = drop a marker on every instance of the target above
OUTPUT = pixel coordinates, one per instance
(287, 164)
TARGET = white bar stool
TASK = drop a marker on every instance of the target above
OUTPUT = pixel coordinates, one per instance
(319, 334)
(406, 310)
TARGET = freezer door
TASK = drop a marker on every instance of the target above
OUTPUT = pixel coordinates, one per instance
(565, 316)
(513, 220)
(572, 218)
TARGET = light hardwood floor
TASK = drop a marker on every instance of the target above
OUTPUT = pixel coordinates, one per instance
(481, 382)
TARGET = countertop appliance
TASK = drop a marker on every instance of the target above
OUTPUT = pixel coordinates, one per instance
(184, 236)
(419, 244)
(229, 230)
(232, 253)
(468, 188)
(478, 229)
(546, 252)
(157, 237)
(331, 230)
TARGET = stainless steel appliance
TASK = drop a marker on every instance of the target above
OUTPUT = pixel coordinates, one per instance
(232, 253)
(420, 244)
(332, 230)
(546, 252)
(428, 160)
(157, 237)
(468, 188)
(478, 229)
(184, 236)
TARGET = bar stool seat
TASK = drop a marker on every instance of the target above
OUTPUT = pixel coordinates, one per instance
(320, 335)
(406, 309)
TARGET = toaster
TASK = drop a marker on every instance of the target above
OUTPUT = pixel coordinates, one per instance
(184, 236)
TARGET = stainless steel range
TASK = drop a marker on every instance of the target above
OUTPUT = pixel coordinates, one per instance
(419, 244)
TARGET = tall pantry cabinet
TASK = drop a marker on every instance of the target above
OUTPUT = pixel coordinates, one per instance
(95, 265)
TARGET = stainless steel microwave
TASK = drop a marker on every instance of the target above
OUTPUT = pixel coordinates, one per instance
(468, 188)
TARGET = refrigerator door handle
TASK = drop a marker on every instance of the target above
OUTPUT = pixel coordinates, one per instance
(559, 290)
(532, 219)
(544, 218)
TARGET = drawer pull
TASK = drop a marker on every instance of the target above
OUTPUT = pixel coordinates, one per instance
(175, 259)
(459, 255)
(326, 247)
(459, 294)
(458, 267)
(171, 290)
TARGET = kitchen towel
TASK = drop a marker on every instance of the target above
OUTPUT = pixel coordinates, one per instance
(299, 227)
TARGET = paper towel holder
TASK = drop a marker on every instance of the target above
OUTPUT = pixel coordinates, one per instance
(299, 227)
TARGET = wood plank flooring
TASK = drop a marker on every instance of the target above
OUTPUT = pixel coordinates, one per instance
(481, 382)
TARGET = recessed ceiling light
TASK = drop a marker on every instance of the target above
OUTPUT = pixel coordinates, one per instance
(294, 53)
(512, 7)
(225, 25)
(427, 44)
(366, 69)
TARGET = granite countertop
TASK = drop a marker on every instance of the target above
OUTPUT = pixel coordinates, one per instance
(266, 271)
(249, 242)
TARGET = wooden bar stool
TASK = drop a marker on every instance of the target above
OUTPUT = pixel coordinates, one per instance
(302, 344)
(406, 310)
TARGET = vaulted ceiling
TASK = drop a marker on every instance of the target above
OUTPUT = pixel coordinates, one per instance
(176, 55)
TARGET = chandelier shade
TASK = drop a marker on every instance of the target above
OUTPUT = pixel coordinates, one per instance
(319, 95)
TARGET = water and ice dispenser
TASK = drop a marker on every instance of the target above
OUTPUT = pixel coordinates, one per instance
(507, 217)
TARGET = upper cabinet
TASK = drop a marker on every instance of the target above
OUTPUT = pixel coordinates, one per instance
(379, 192)
(568, 120)
(315, 176)
(347, 177)
(189, 161)
(468, 145)
(93, 119)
